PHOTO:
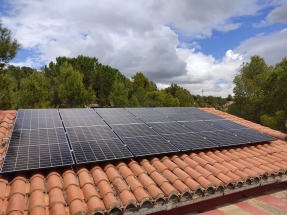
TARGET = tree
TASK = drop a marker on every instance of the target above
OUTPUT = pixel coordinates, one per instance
(8, 46)
(133, 102)
(276, 121)
(104, 80)
(229, 98)
(119, 94)
(7, 95)
(34, 92)
(170, 101)
(154, 99)
(183, 95)
(83, 64)
(70, 88)
(250, 89)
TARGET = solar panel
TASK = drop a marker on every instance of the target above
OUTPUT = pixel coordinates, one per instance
(36, 157)
(96, 143)
(36, 123)
(167, 110)
(149, 145)
(133, 130)
(189, 141)
(251, 135)
(121, 119)
(208, 116)
(189, 110)
(100, 150)
(184, 117)
(154, 118)
(227, 124)
(77, 112)
(136, 111)
(82, 134)
(76, 121)
(223, 138)
(198, 126)
(37, 137)
(168, 128)
(36, 113)
(111, 111)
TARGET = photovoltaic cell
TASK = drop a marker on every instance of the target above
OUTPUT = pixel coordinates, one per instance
(251, 135)
(37, 157)
(149, 145)
(76, 121)
(168, 128)
(121, 119)
(100, 150)
(198, 126)
(208, 116)
(167, 110)
(154, 118)
(133, 130)
(37, 113)
(142, 111)
(189, 141)
(82, 134)
(37, 137)
(227, 124)
(111, 111)
(184, 117)
(37, 123)
(77, 112)
(223, 138)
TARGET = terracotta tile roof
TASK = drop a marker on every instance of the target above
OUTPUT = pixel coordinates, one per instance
(142, 185)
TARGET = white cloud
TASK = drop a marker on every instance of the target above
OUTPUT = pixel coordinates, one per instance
(277, 15)
(271, 47)
(138, 36)
(228, 27)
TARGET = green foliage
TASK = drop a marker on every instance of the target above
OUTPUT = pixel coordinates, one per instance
(71, 91)
(133, 102)
(34, 92)
(154, 99)
(7, 95)
(250, 88)
(8, 46)
(119, 94)
(261, 93)
(183, 95)
(170, 101)
(276, 121)
(105, 77)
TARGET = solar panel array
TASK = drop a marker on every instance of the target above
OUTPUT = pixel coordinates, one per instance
(164, 122)
(137, 136)
(38, 141)
(91, 138)
(49, 137)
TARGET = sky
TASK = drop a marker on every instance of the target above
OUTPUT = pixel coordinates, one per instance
(198, 44)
